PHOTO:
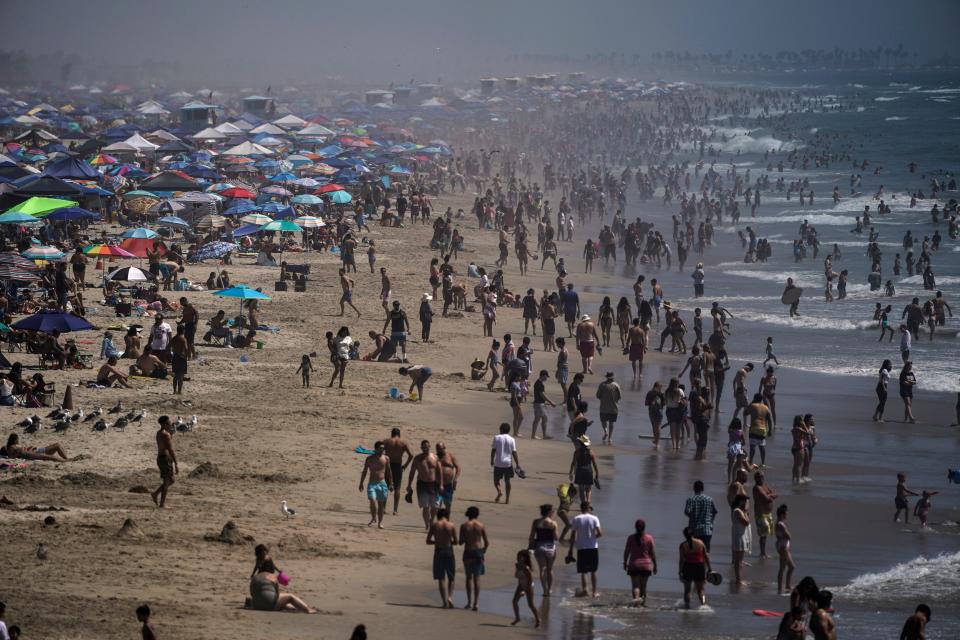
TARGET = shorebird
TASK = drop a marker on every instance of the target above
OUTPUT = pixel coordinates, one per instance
(96, 413)
(63, 425)
(77, 417)
(41, 551)
(100, 425)
(57, 412)
(287, 511)
(117, 408)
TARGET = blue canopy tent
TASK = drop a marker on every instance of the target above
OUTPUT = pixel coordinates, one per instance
(72, 213)
(71, 168)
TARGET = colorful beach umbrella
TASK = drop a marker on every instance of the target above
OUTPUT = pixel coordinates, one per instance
(329, 188)
(237, 192)
(130, 274)
(256, 218)
(242, 292)
(71, 213)
(107, 250)
(310, 222)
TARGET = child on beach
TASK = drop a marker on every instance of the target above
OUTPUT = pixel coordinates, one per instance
(900, 500)
(372, 255)
(143, 616)
(923, 507)
(567, 493)
(524, 576)
(770, 354)
(304, 369)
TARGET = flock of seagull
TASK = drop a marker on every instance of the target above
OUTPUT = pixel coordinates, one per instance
(63, 419)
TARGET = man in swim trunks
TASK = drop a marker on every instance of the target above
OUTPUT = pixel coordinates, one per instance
(399, 326)
(166, 460)
(346, 284)
(110, 374)
(395, 447)
(473, 537)
(759, 415)
(587, 342)
(636, 345)
(740, 389)
(443, 537)
(450, 469)
(385, 290)
(570, 302)
(381, 482)
(763, 497)
(426, 469)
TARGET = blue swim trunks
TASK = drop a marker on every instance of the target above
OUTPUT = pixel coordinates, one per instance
(378, 491)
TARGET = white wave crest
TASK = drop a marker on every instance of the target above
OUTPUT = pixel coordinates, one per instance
(886, 98)
(937, 577)
(896, 118)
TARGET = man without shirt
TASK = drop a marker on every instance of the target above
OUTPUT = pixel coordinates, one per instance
(473, 537)
(443, 537)
(450, 468)
(426, 469)
(395, 448)
(381, 481)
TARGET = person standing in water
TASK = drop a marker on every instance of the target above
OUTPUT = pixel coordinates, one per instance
(795, 304)
(639, 561)
(787, 565)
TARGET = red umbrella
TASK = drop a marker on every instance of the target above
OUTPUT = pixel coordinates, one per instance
(138, 246)
(237, 192)
(327, 188)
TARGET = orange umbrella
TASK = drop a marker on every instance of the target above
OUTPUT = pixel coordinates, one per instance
(138, 246)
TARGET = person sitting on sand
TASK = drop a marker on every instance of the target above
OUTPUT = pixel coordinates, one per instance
(109, 374)
(265, 592)
(150, 365)
(50, 453)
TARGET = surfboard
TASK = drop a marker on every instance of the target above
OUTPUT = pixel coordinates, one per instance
(791, 296)
(763, 613)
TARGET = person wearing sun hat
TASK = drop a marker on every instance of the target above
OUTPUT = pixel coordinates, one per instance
(583, 468)
(588, 342)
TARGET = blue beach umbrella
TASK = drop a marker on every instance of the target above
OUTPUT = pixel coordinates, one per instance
(49, 320)
(341, 197)
(139, 232)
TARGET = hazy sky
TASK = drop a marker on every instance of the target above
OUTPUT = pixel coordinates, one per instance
(286, 39)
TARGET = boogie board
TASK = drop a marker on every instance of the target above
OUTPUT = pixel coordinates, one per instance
(791, 296)
(763, 613)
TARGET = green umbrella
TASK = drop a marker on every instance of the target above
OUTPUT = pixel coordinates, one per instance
(281, 225)
(37, 205)
(140, 193)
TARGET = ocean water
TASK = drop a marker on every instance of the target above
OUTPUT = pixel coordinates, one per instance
(877, 579)
(890, 121)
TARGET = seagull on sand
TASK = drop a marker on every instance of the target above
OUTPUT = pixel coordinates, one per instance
(287, 511)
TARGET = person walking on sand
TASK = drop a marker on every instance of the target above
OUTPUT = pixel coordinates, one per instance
(443, 537)
(346, 297)
(907, 382)
(639, 561)
(426, 469)
(380, 484)
(450, 467)
(635, 347)
(473, 537)
(701, 513)
(588, 342)
(395, 448)
(608, 392)
(523, 572)
(544, 533)
(503, 457)
(166, 460)
(540, 401)
(763, 497)
(785, 574)
(385, 291)
(882, 382)
(585, 531)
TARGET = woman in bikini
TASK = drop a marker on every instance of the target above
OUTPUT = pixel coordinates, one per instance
(783, 550)
(624, 316)
(50, 453)
(605, 317)
(543, 541)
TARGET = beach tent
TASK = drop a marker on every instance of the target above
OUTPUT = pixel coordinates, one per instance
(47, 186)
(169, 181)
(290, 121)
(140, 143)
(269, 129)
(248, 149)
(71, 168)
(209, 134)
